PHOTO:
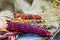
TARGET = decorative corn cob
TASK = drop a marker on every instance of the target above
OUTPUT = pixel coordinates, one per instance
(27, 28)
(27, 16)
(0, 38)
(27, 21)
(11, 37)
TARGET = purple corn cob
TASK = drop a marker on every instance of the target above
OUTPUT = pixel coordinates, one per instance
(27, 28)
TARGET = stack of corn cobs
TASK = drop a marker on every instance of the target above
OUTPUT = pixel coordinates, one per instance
(34, 21)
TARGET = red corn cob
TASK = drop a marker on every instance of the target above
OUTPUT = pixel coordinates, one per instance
(27, 16)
